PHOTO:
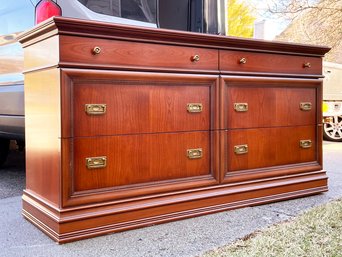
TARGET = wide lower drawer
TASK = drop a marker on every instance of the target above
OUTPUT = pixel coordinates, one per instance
(259, 148)
(253, 104)
(112, 103)
(106, 162)
(105, 52)
(242, 61)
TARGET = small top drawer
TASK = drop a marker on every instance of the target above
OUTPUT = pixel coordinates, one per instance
(249, 62)
(105, 52)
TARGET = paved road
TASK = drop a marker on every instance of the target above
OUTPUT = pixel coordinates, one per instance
(189, 237)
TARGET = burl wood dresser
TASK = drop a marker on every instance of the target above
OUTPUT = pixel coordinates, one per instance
(128, 127)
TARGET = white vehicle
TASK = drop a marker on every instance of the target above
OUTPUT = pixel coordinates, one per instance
(205, 16)
(19, 15)
(332, 102)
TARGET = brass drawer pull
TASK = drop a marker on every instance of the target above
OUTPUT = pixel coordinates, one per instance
(95, 109)
(194, 153)
(195, 58)
(305, 143)
(307, 65)
(306, 106)
(241, 107)
(243, 60)
(241, 149)
(194, 107)
(96, 162)
(96, 50)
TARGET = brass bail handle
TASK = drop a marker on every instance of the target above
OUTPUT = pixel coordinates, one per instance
(95, 109)
(305, 106)
(307, 143)
(241, 107)
(196, 153)
(96, 162)
(194, 107)
(241, 149)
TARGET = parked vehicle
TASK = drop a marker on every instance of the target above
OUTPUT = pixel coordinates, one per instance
(19, 15)
(15, 16)
(204, 16)
(332, 102)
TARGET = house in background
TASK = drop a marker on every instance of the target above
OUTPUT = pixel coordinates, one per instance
(318, 26)
(322, 26)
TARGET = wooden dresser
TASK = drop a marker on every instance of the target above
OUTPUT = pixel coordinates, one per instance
(129, 127)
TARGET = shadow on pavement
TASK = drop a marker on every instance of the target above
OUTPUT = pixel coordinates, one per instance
(12, 175)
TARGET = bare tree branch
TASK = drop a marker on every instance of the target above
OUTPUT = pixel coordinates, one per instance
(312, 22)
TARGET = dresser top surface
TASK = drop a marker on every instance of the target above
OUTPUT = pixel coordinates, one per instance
(95, 29)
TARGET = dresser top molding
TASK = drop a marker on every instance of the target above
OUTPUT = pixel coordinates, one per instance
(86, 28)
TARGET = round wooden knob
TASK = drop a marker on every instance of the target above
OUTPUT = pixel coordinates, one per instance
(307, 65)
(243, 60)
(96, 50)
(195, 58)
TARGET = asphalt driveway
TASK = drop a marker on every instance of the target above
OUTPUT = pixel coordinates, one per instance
(190, 237)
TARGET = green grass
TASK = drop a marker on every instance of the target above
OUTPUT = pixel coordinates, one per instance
(317, 232)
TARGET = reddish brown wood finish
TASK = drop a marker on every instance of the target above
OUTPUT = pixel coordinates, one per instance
(271, 102)
(146, 79)
(137, 102)
(242, 61)
(139, 108)
(134, 159)
(42, 124)
(140, 190)
(94, 29)
(142, 106)
(128, 54)
(319, 124)
(270, 147)
(94, 220)
(270, 107)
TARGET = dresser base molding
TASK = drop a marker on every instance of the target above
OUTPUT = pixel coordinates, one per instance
(70, 224)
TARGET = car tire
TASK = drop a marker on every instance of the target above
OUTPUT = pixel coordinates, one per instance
(333, 131)
(4, 149)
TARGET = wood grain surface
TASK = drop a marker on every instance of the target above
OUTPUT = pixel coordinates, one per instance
(126, 53)
(270, 147)
(139, 107)
(43, 130)
(137, 102)
(268, 63)
(146, 78)
(140, 159)
(271, 102)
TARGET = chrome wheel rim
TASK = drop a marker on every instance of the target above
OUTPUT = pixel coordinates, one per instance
(334, 129)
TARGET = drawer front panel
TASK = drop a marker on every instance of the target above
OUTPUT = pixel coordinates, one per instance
(106, 52)
(259, 148)
(106, 162)
(241, 61)
(136, 108)
(249, 107)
